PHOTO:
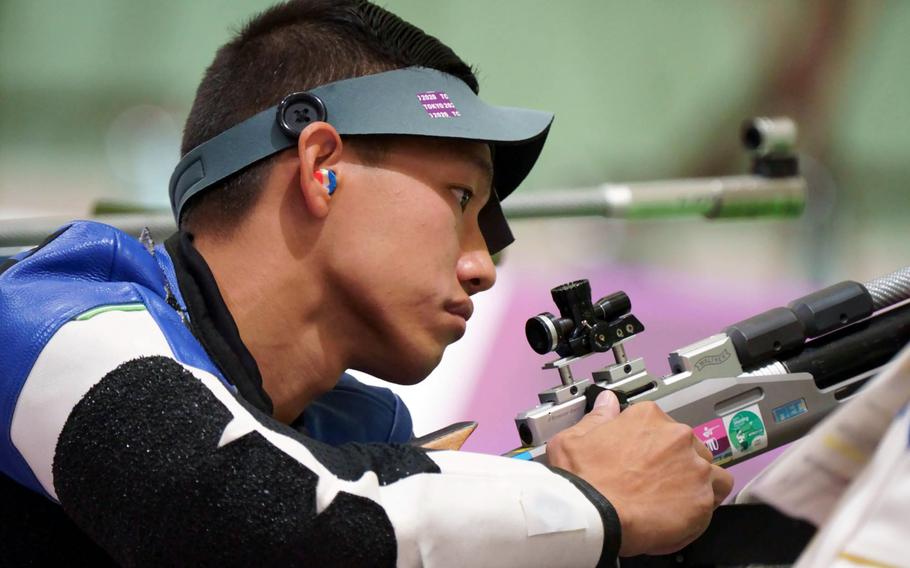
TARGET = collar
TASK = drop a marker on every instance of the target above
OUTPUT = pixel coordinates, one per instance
(212, 323)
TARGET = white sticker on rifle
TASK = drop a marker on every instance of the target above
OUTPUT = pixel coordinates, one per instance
(746, 431)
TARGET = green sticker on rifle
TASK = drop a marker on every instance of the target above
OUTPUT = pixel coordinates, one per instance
(746, 430)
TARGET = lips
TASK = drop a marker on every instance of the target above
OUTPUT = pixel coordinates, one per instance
(462, 308)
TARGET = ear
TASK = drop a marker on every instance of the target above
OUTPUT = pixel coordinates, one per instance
(319, 146)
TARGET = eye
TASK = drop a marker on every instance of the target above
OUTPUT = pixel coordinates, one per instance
(463, 195)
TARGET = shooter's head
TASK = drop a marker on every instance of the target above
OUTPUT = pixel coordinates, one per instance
(392, 255)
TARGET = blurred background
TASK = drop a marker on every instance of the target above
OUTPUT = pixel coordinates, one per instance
(93, 95)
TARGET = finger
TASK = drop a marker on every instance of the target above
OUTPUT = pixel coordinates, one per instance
(606, 408)
(608, 399)
(721, 483)
(701, 449)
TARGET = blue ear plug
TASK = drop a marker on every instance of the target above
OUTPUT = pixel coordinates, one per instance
(327, 178)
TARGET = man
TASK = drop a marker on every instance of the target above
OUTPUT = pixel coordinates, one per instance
(182, 403)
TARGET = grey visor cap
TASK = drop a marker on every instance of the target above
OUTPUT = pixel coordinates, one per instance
(415, 101)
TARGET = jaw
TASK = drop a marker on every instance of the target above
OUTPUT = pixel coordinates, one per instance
(405, 363)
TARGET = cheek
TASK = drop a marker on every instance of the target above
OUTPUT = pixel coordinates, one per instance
(404, 229)
(400, 247)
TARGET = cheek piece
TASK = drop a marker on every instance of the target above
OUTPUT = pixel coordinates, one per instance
(327, 178)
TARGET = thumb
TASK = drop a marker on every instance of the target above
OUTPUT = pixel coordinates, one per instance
(606, 408)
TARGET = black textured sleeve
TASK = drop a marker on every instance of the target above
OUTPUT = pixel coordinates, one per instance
(161, 465)
(139, 468)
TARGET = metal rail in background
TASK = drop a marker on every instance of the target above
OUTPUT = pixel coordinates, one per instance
(776, 189)
(720, 197)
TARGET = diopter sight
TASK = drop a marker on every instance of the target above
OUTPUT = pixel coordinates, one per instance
(583, 326)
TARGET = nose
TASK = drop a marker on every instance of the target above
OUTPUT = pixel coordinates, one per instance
(475, 270)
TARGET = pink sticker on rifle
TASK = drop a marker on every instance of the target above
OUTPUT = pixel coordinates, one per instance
(437, 104)
(713, 434)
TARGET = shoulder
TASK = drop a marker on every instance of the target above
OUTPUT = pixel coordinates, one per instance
(355, 412)
(83, 250)
(81, 268)
(72, 309)
(75, 270)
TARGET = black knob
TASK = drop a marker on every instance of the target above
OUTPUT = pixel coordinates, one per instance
(612, 307)
(574, 301)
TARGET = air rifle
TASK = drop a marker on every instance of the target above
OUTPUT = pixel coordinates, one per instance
(760, 384)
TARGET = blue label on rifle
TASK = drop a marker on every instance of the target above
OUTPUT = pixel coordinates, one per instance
(790, 410)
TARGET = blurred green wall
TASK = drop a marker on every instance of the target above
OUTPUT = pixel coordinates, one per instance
(642, 90)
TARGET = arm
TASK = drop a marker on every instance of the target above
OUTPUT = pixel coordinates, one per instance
(161, 464)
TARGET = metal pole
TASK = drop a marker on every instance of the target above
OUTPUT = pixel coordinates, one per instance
(720, 197)
(731, 196)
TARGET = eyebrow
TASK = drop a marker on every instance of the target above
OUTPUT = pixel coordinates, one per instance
(485, 166)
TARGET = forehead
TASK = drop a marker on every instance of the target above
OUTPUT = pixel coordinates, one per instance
(476, 154)
(441, 152)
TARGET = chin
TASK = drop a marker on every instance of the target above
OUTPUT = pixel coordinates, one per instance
(413, 373)
(408, 369)
(407, 380)
(405, 359)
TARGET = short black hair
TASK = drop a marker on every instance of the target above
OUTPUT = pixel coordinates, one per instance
(295, 46)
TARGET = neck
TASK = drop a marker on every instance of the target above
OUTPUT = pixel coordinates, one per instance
(282, 320)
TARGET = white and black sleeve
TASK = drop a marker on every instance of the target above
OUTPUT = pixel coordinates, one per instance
(162, 465)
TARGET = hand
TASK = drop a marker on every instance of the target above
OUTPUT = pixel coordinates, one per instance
(654, 471)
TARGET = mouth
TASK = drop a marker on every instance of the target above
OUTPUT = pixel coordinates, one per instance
(461, 308)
